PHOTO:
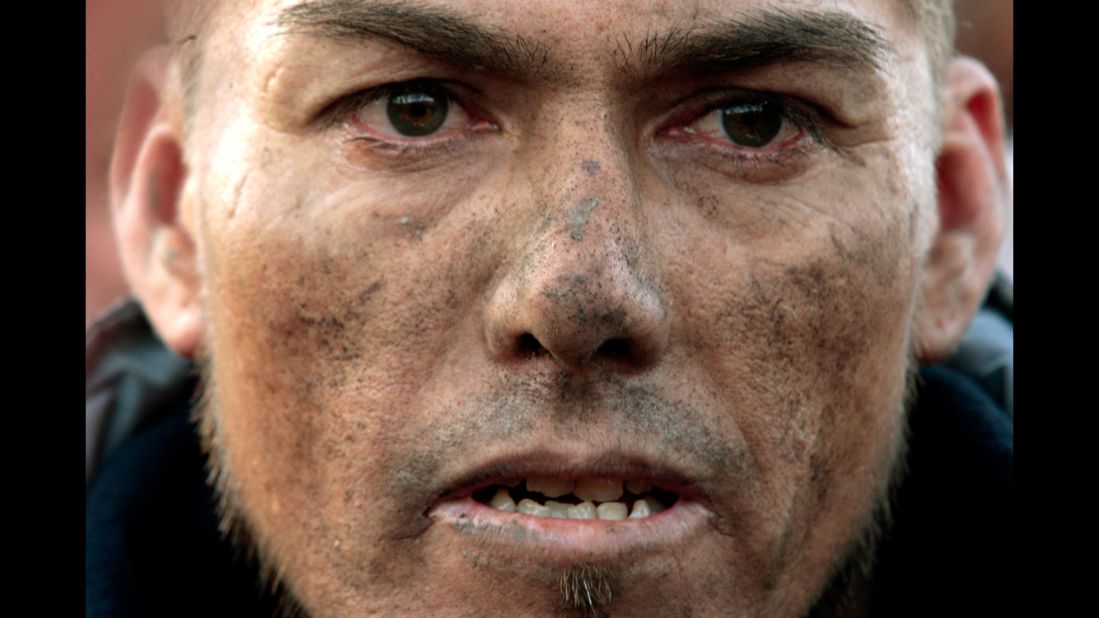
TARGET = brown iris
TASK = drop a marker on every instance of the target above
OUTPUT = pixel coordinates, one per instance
(419, 110)
(751, 124)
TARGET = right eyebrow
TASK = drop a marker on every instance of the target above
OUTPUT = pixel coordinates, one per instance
(432, 31)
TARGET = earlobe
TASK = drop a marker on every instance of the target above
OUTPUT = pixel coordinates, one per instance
(973, 194)
(148, 175)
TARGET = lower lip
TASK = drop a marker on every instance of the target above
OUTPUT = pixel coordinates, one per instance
(579, 539)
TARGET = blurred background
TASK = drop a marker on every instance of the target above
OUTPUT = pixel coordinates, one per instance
(117, 31)
(985, 31)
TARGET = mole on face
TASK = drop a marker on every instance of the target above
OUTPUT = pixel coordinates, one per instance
(591, 166)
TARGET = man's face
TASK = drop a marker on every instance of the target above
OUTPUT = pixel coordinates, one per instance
(670, 245)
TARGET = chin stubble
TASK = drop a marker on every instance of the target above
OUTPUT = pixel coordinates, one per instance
(586, 589)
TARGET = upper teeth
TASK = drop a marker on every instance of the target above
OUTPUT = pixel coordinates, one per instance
(550, 487)
(605, 492)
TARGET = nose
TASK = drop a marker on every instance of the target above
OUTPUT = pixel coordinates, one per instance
(579, 291)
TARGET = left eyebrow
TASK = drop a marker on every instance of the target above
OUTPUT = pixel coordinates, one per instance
(770, 36)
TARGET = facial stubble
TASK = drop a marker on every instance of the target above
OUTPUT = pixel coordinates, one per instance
(587, 589)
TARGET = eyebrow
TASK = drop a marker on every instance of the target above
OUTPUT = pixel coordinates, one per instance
(765, 37)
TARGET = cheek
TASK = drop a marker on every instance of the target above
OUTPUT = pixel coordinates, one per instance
(826, 359)
(324, 330)
(810, 351)
(330, 282)
(317, 319)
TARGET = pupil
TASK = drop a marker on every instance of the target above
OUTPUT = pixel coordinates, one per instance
(417, 112)
(751, 124)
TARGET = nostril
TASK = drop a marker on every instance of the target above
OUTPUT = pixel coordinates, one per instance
(615, 349)
(529, 345)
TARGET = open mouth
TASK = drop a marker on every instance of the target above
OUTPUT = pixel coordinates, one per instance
(573, 506)
(583, 499)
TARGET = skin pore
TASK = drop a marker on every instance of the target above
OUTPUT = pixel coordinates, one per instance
(578, 273)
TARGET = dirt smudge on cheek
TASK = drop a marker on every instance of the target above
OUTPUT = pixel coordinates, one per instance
(799, 327)
(798, 334)
(828, 316)
(334, 332)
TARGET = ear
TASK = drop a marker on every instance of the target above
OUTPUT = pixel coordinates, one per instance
(147, 178)
(973, 199)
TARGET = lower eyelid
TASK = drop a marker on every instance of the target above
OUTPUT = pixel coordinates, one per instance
(694, 152)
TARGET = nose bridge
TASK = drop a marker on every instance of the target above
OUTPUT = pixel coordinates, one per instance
(580, 289)
(591, 208)
(588, 190)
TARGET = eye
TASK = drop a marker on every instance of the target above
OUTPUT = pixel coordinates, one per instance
(747, 135)
(415, 109)
(419, 110)
(751, 124)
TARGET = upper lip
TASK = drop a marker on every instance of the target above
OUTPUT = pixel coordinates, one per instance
(608, 464)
